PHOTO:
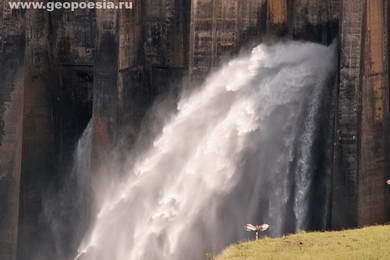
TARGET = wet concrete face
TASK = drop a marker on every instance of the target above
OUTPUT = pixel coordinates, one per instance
(57, 107)
(373, 204)
(11, 123)
(39, 164)
(219, 29)
(144, 53)
(104, 120)
(359, 192)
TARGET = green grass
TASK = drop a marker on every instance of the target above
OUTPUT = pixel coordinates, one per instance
(371, 243)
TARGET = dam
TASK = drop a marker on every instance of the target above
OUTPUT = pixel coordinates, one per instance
(97, 77)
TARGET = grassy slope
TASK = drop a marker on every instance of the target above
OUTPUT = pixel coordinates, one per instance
(367, 243)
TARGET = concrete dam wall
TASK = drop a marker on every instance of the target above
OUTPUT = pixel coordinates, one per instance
(61, 70)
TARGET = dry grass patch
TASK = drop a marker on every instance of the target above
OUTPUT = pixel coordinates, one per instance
(371, 243)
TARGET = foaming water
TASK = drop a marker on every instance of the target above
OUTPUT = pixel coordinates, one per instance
(243, 149)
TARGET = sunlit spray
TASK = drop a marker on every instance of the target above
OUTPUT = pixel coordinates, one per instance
(239, 150)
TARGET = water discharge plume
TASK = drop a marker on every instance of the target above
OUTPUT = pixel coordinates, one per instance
(245, 148)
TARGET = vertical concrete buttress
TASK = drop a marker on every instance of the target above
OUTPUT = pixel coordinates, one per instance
(373, 206)
(11, 125)
(105, 89)
(38, 164)
(346, 165)
(57, 107)
(130, 69)
(277, 12)
(360, 195)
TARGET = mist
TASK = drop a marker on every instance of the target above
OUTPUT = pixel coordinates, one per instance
(248, 146)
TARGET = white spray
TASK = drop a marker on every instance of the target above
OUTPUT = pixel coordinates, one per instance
(231, 155)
